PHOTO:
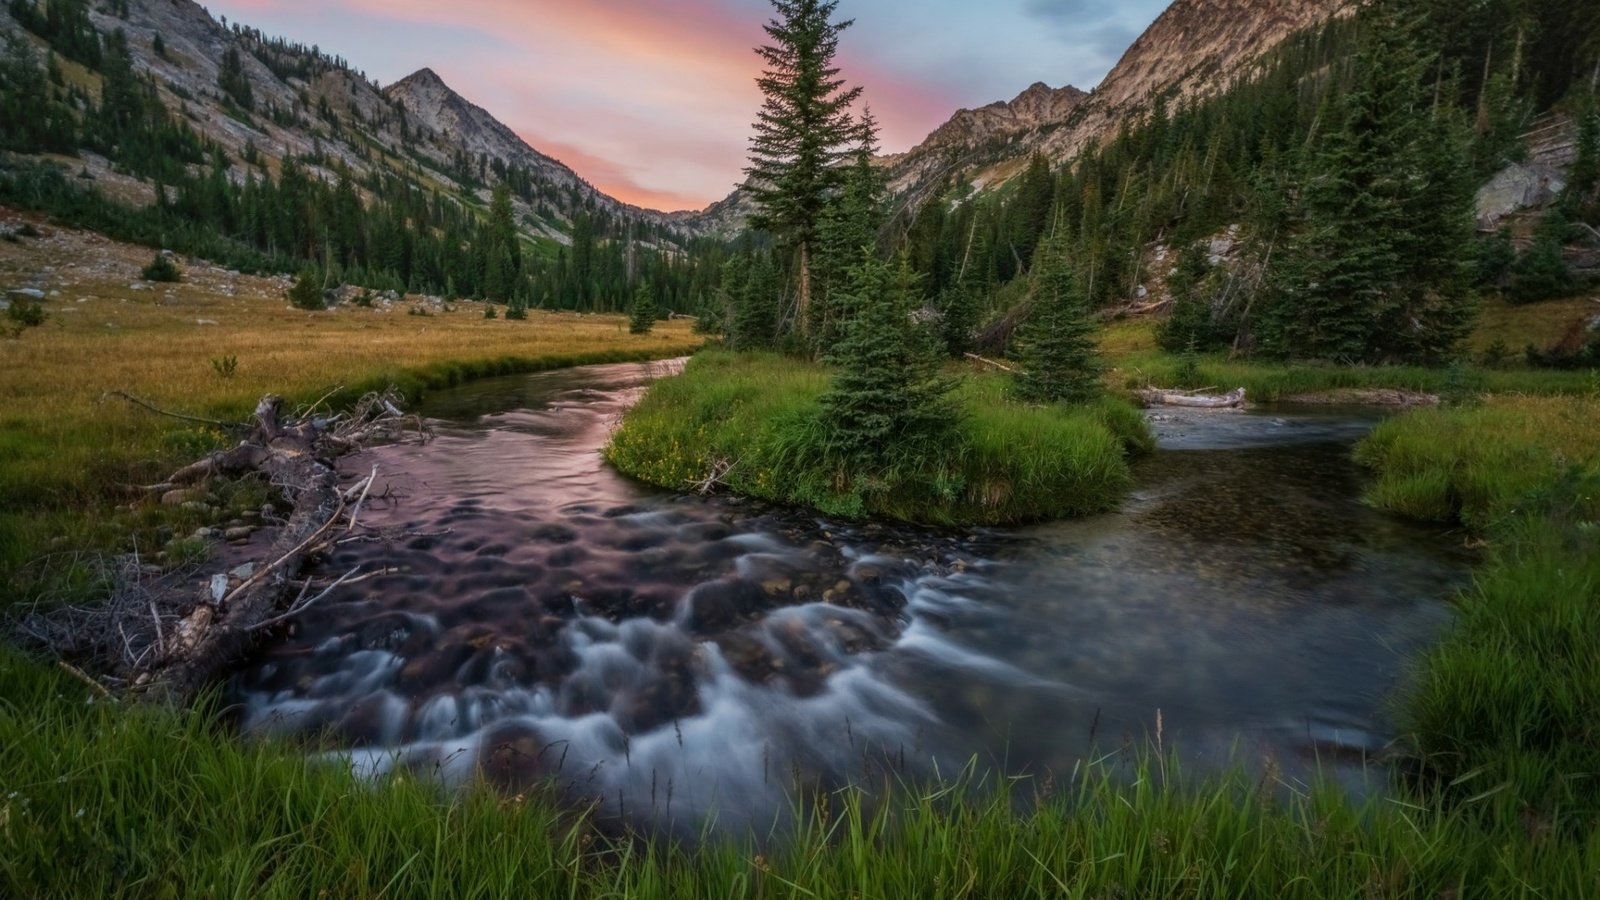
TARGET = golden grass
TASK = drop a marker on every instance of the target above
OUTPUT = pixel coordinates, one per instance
(1538, 324)
(66, 446)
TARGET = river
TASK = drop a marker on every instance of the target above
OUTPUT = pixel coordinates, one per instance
(684, 660)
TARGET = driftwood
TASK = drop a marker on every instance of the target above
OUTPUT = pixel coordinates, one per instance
(991, 363)
(1158, 397)
(157, 634)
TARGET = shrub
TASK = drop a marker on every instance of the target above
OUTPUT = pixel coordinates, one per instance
(307, 292)
(162, 269)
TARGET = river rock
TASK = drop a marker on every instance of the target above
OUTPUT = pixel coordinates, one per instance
(25, 295)
(241, 533)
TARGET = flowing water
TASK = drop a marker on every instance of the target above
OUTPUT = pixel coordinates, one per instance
(684, 660)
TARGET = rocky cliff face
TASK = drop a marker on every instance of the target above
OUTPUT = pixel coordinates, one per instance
(1195, 48)
(989, 134)
(432, 105)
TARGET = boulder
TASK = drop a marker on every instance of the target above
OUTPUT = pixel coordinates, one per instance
(1519, 186)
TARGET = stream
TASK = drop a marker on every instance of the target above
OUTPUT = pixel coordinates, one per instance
(683, 661)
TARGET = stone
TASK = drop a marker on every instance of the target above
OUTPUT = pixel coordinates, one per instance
(25, 294)
(182, 496)
(238, 534)
(1517, 187)
(243, 572)
(219, 588)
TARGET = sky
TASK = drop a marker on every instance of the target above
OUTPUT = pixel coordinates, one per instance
(651, 100)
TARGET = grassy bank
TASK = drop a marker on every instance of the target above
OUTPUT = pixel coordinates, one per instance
(1130, 346)
(97, 800)
(1506, 710)
(752, 417)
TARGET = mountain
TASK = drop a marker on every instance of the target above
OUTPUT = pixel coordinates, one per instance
(431, 104)
(295, 101)
(988, 133)
(1196, 48)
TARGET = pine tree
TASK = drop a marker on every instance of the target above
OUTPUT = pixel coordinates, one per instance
(850, 222)
(1377, 268)
(161, 269)
(233, 81)
(754, 323)
(642, 318)
(517, 309)
(1056, 346)
(888, 401)
(803, 131)
(307, 291)
(959, 308)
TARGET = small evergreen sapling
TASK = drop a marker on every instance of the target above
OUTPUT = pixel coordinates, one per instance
(643, 316)
(1057, 344)
(307, 292)
(162, 269)
(888, 401)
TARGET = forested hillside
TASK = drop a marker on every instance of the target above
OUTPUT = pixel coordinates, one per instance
(152, 122)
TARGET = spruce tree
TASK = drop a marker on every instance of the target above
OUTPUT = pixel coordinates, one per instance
(851, 221)
(959, 308)
(1056, 345)
(307, 291)
(233, 81)
(754, 324)
(642, 318)
(803, 131)
(1378, 266)
(887, 401)
(517, 309)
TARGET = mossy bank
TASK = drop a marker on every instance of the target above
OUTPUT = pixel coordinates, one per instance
(750, 422)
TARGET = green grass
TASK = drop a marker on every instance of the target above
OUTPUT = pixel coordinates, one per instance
(1506, 710)
(753, 417)
(1130, 348)
(1483, 463)
(1270, 381)
(98, 800)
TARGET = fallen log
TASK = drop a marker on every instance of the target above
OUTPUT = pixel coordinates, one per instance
(1158, 397)
(991, 363)
(211, 630)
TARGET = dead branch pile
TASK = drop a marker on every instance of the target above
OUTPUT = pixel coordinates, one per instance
(156, 632)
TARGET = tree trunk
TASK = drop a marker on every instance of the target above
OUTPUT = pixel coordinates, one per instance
(803, 310)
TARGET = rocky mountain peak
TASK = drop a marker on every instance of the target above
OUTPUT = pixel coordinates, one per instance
(1195, 48)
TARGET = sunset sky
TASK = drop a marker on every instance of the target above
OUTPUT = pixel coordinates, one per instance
(652, 100)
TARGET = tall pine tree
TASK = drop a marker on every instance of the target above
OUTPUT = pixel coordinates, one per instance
(803, 131)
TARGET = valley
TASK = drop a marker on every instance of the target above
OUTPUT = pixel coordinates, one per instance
(1184, 487)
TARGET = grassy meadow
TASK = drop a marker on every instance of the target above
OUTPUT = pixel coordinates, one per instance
(67, 447)
(1495, 793)
(753, 418)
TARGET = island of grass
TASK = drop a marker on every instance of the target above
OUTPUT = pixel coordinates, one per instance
(752, 423)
